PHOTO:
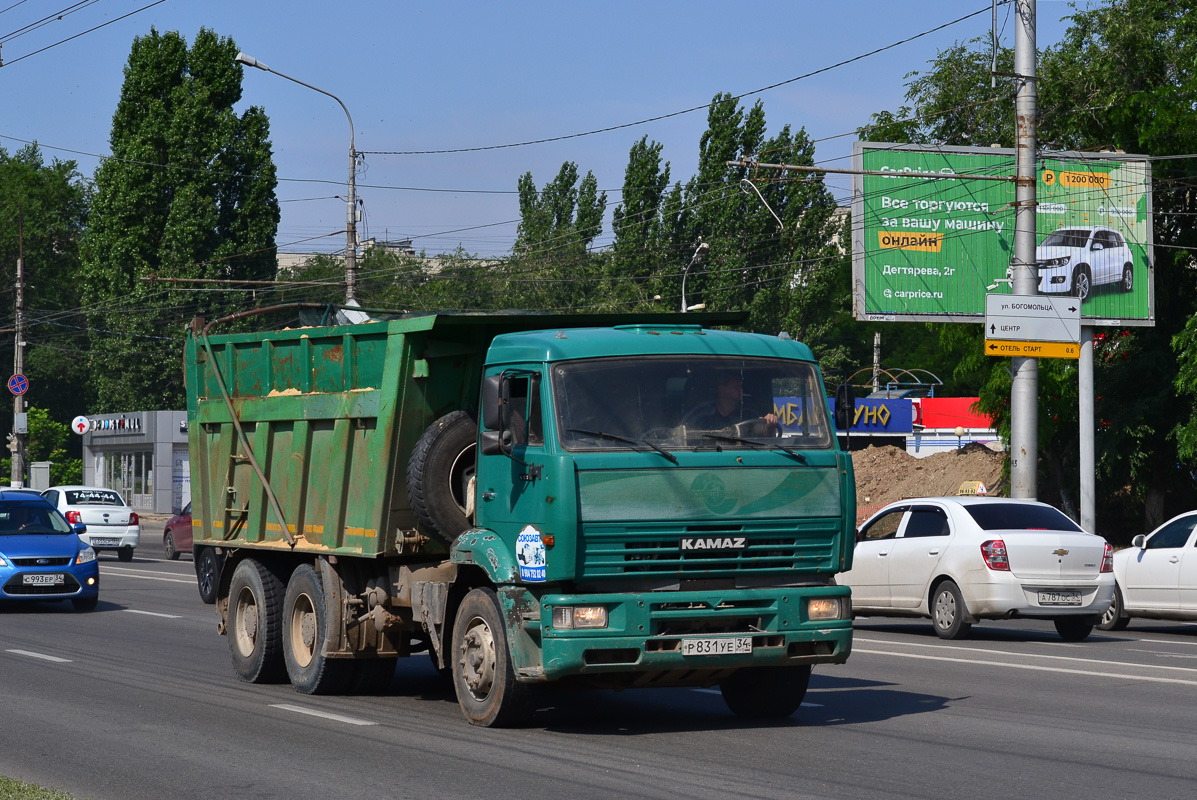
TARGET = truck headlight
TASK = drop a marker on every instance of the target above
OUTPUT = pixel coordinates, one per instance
(576, 617)
(823, 608)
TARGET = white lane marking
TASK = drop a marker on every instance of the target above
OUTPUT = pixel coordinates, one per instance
(1032, 667)
(1164, 641)
(1019, 655)
(42, 656)
(323, 714)
(716, 691)
(151, 613)
(1160, 653)
(134, 573)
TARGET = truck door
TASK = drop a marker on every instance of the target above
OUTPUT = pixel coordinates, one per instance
(511, 488)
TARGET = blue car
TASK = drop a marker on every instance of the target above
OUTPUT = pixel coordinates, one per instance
(41, 555)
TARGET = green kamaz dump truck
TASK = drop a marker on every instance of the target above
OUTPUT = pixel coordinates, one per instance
(533, 500)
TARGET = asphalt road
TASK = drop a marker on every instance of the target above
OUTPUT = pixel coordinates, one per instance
(138, 700)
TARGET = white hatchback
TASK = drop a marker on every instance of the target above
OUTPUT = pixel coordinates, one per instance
(1157, 575)
(958, 560)
(111, 524)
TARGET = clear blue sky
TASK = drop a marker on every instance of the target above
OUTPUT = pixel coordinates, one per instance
(438, 75)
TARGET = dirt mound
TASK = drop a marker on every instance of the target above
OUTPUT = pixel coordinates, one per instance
(886, 474)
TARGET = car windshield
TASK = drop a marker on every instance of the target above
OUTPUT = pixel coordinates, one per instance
(18, 518)
(1067, 238)
(93, 497)
(1017, 516)
(680, 402)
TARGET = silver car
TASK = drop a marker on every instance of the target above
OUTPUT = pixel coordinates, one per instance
(111, 524)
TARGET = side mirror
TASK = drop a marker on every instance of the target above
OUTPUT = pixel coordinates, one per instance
(1097, 246)
(79, 528)
(489, 443)
(491, 402)
(1140, 542)
(845, 407)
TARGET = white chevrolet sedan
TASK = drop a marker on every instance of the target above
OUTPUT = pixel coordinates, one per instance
(1157, 575)
(111, 524)
(958, 560)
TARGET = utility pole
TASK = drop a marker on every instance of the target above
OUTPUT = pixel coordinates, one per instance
(17, 479)
(1024, 386)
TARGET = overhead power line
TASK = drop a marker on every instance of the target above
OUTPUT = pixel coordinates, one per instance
(81, 33)
(690, 110)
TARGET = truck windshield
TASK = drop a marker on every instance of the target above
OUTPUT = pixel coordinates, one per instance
(689, 402)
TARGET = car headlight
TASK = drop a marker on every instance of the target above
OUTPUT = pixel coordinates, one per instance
(3, 563)
(576, 617)
(823, 608)
(1053, 263)
(85, 555)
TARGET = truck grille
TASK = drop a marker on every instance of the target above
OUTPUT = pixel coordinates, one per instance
(613, 550)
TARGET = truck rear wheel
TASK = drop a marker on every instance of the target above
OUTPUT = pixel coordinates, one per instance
(255, 624)
(483, 674)
(305, 634)
(439, 472)
(766, 692)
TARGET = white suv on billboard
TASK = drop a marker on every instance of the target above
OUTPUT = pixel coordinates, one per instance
(1074, 260)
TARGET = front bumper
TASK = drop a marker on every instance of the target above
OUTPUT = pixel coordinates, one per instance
(1055, 280)
(645, 632)
(78, 580)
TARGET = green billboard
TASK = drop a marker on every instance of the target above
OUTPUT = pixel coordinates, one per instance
(933, 232)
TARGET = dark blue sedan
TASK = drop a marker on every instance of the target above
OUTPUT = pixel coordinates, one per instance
(41, 555)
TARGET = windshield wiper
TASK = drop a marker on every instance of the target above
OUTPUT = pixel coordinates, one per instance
(616, 438)
(758, 445)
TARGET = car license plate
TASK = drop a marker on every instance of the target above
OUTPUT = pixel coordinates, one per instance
(43, 579)
(1059, 598)
(105, 542)
(717, 646)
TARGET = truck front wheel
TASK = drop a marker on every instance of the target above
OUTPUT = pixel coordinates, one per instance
(766, 692)
(483, 675)
(254, 623)
(305, 633)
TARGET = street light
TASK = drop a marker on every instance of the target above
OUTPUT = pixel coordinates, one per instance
(698, 254)
(351, 213)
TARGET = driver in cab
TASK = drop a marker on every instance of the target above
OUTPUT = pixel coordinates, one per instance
(726, 409)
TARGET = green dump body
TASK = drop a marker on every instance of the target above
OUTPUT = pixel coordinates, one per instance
(330, 416)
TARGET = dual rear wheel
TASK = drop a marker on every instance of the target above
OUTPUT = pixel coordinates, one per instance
(278, 632)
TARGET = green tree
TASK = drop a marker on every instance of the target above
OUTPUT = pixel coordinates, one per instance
(551, 267)
(49, 441)
(769, 234)
(189, 192)
(43, 209)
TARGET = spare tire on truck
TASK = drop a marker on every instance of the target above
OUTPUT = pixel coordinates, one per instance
(440, 472)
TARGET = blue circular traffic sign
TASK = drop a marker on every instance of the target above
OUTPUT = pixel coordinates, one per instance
(18, 384)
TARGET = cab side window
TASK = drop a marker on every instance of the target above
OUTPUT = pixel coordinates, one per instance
(1173, 535)
(884, 527)
(927, 521)
(525, 417)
